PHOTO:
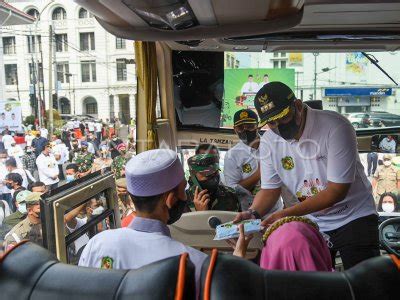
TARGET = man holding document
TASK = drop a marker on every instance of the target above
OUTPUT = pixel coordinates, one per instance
(319, 148)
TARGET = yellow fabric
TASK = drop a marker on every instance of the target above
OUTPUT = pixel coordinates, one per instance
(282, 114)
(146, 72)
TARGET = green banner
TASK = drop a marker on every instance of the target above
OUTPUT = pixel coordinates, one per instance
(241, 85)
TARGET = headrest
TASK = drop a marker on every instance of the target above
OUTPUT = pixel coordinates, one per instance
(31, 272)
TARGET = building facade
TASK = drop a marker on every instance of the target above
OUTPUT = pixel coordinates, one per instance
(92, 71)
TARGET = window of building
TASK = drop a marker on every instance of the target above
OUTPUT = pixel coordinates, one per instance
(11, 74)
(120, 43)
(90, 106)
(83, 14)
(61, 42)
(87, 41)
(283, 54)
(34, 43)
(283, 64)
(9, 45)
(63, 72)
(276, 64)
(59, 14)
(276, 54)
(121, 70)
(33, 73)
(33, 12)
(88, 69)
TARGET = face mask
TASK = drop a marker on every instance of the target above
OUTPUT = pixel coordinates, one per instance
(176, 211)
(70, 178)
(210, 184)
(28, 151)
(387, 163)
(114, 139)
(9, 186)
(289, 130)
(248, 137)
(22, 208)
(97, 211)
(388, 207)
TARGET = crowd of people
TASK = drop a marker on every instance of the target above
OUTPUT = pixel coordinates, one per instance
(46, 162)
(303, 177)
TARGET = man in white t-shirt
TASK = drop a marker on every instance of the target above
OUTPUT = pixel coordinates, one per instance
(250, 87)
(303, 145)
(388, 145)
(7, 140)
(44, 132)
(48, 168)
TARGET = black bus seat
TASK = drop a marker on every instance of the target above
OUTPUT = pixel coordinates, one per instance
(236, 278)
(31, 272)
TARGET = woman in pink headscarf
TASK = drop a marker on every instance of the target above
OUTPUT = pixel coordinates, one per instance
(291, 244)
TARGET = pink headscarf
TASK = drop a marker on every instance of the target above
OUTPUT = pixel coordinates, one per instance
(296, 246)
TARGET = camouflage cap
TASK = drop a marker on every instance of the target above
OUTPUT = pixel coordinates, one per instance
(121, 182)
(33, 198)
(21, 197)
(206, 164)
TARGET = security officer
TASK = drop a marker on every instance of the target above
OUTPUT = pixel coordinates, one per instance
(84, 160)
(21, 212)
(30, 228)
(119, 162)
(156, 184)
(206, 190)
(125, 204)
(386, 178)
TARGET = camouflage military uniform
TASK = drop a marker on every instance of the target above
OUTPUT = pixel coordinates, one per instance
(14, 218)
(118, 165)
(223, 198)
(84, 162)
(24, 230)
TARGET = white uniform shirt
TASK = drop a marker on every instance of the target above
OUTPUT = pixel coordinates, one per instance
(48, 168)
(83, 239)
(3, 174)
(388, 146)
(44, 132)
(98, 127)
(16, 152)
(7, 140)
(240, 163)
(143, 242)
(62, 150)
(327, 151)
(250, 87)
(28, 139)
(91, 126)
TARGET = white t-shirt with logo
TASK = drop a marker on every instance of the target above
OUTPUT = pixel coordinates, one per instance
(327, 151)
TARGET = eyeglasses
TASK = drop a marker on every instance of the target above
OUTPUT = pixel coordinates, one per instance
(247, 127)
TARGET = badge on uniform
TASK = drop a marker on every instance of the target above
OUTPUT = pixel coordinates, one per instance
(287, 163)
(246, 168)
(107, 263)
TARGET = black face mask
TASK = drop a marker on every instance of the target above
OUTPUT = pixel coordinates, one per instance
(248, 137)
(9, 186)
(211, 184)
(289, 130)
(176, 211)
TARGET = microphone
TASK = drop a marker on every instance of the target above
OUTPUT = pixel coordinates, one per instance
(213, 222)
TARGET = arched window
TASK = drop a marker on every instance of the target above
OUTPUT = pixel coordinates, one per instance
(33, 12)
(90, 106)
(83, 13)
(65, 106)
(59, 13)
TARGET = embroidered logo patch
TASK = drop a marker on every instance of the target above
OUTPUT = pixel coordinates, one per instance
(287, 163)
(107, 263)
(246, 168)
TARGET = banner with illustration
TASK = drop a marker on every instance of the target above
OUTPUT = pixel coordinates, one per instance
(241, 86)
(10, 115)
(356, 63)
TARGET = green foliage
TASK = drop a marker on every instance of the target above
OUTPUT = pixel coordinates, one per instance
(29, 120)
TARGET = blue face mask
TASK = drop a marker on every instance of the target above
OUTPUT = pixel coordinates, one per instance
(70, 178)
(22, 208)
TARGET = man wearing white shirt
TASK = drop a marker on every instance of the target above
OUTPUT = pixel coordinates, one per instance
(301, 146)
(7, 140)
(61, 153)
(16, 152)
(44, 132)
(29, 138)
(11, 166)
(264, 82)
(5, 193)
(250, 87)
(98, 126)
(48, 168)
(388, 145)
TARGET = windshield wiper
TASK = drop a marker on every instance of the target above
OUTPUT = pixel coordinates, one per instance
(374, 61)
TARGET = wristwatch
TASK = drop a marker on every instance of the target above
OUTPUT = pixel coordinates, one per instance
(254, 213)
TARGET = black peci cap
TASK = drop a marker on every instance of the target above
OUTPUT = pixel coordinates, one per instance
(245, 116)
(273, 101)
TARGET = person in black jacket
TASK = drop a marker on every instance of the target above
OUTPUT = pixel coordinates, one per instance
(38, 144)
